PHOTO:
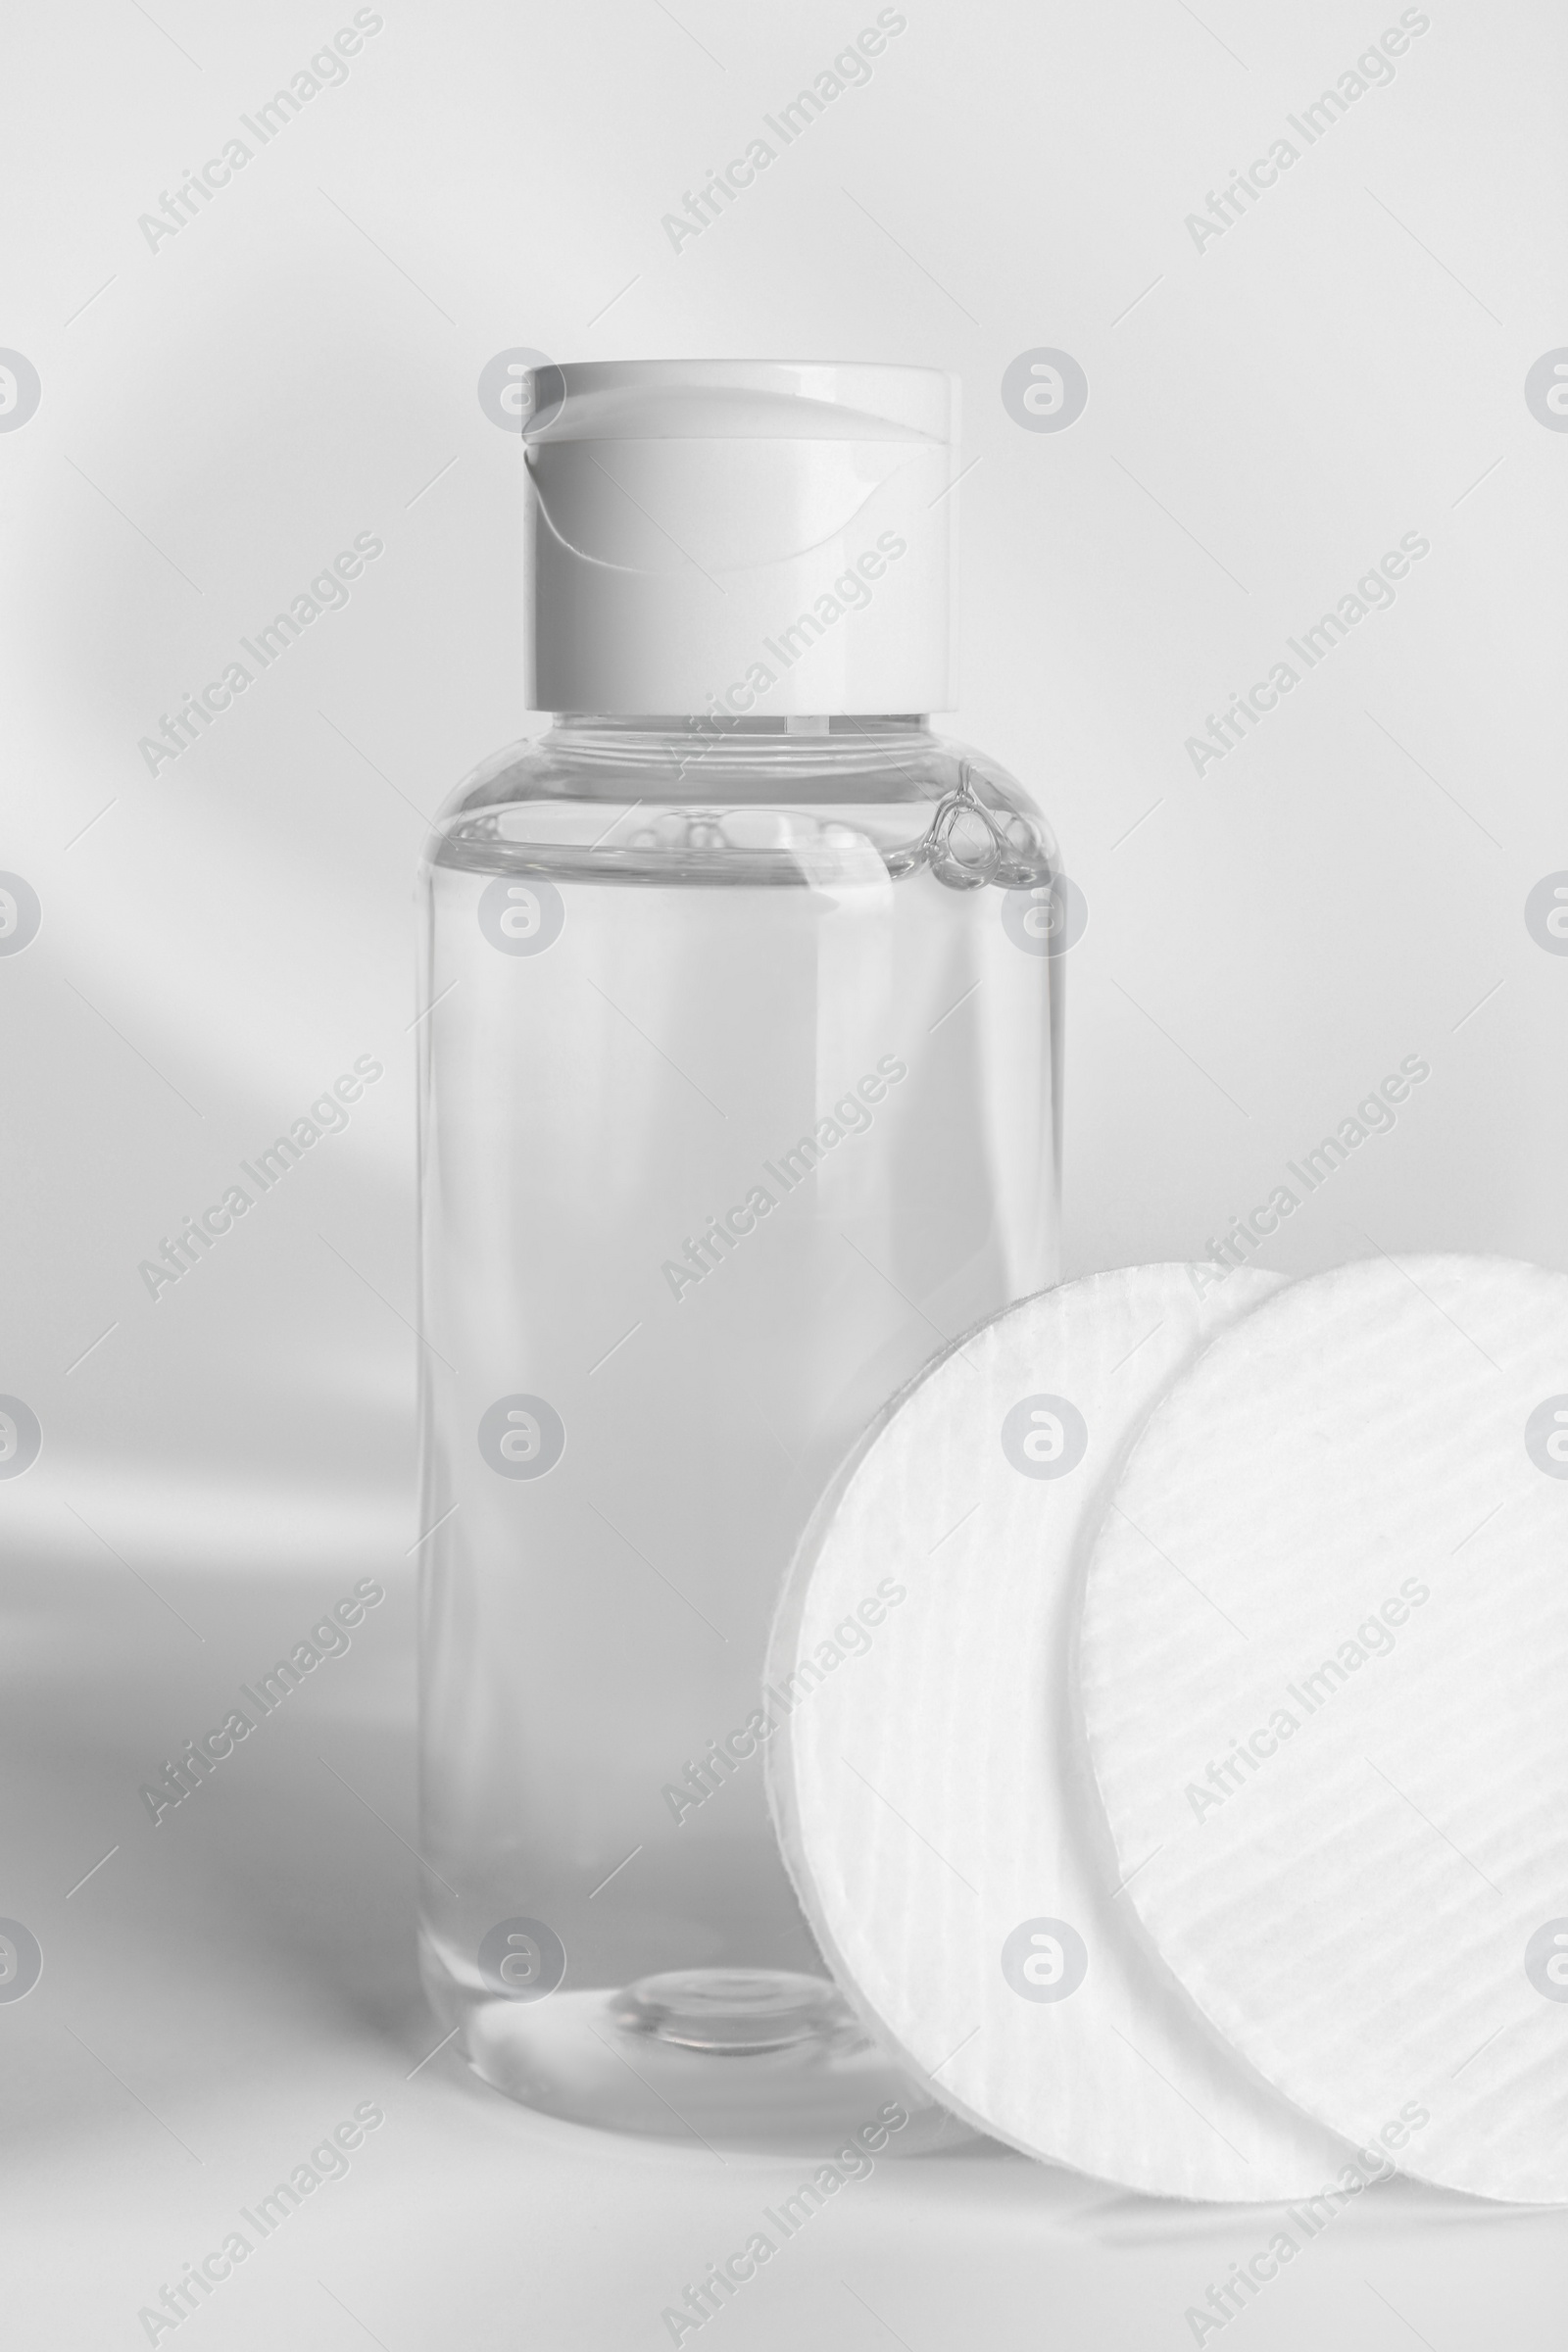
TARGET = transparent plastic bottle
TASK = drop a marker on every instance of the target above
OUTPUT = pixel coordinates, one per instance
(660, 984)
(739, 1096)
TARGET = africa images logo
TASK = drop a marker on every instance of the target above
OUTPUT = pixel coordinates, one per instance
(20, 390)
(1546, 913)
(1044, 1959)
(521, 1959)
(1546, 1959)
(1043, 1437)
(506, 392)
(521, 1436)
(1045, 390)
(21, 1960)
(1546, 1436)
(1046, 919)
(1546, 390)
(21, 1437)
(521, 917)
(20, 913)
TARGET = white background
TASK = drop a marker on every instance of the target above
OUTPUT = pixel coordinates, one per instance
(219, 418)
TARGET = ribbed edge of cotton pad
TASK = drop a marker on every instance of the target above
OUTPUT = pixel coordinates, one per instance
(928, 1776)
(1343, 1540)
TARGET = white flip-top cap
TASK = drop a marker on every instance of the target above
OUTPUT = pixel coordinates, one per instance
(740, 537)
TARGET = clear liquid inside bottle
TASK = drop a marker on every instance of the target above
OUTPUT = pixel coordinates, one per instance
(740, 1097)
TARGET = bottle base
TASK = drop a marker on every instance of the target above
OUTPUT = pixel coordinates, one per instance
(758, 2059)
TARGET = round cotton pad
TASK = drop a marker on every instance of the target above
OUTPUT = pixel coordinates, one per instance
(929, 1780)
(1324, 1668)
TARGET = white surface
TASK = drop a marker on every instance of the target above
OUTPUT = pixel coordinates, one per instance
(933, 1792)
(1333, 1556)
(740, 538)
(299, 364)
(239, 1979)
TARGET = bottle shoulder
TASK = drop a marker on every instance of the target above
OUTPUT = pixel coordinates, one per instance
(680, 803)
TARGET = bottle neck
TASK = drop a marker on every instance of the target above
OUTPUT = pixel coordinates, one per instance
(706, 726)
(700, 753)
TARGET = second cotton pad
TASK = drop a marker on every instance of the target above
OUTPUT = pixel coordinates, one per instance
(933, 1800)
(1324, 1666)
